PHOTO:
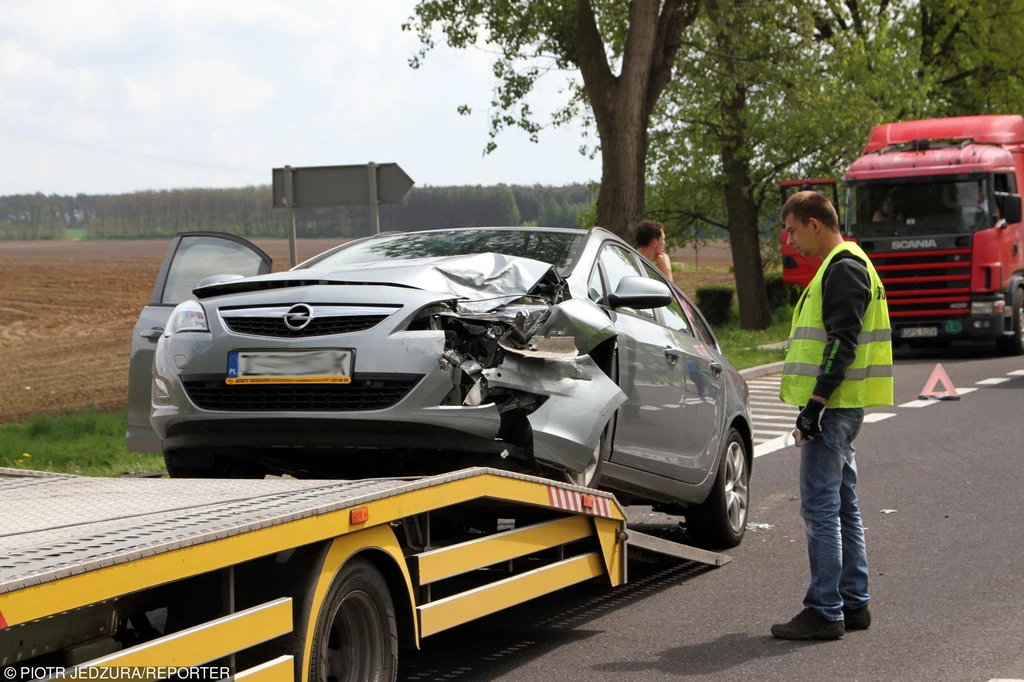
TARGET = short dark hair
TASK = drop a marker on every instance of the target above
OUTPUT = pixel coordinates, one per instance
(647, 231)
(808, 204)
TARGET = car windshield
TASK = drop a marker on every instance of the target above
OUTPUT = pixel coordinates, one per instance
(556, 248)
(935, 206)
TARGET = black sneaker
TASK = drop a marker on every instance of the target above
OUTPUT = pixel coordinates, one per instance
(809, 624)
(857, 619)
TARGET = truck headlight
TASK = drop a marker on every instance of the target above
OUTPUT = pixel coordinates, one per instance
(187, 317)
(987, 307)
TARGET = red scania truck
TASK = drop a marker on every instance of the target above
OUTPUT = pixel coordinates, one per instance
(936, 206)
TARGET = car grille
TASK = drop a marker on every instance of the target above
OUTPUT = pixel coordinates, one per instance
(319, 326)
(364, 393)
(926, 283)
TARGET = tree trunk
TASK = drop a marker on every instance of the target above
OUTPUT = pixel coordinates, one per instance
(755, 312)
(622, 104)
(620, 202)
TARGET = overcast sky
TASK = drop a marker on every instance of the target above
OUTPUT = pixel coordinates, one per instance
(94, 93)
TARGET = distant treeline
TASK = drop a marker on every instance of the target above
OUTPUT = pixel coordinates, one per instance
(247, 212)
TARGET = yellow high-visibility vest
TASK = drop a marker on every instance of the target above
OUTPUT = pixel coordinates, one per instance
(868, 381)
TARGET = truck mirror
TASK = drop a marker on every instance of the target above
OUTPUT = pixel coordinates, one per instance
(1009, 207)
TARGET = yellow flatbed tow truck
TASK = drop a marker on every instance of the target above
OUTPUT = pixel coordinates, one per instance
(283, 579)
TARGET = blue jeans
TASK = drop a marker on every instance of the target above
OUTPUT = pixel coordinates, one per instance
(828, 504)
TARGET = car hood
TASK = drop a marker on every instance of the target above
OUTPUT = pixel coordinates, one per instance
(477, 277)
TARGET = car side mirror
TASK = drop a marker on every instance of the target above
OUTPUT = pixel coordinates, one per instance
(1009, 207)
(639, 293)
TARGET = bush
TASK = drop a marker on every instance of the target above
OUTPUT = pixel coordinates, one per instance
(780, 294)
(715, 302)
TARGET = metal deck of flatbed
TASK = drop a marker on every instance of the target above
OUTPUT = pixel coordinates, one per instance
(58, 526)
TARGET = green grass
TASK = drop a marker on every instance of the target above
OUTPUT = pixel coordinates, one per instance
(74, 233)
(89, 443)
(741, 345)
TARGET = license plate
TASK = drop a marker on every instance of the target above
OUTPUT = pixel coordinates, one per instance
(290, 367)
(918, 332)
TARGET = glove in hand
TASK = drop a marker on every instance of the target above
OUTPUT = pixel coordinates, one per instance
(808, 421)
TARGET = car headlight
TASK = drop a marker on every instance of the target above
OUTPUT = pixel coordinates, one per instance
(187, 317)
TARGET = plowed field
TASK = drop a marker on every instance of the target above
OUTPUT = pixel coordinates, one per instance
(67, 310)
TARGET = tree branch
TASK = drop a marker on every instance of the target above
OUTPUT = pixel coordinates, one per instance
(675, 17)
(593, 63)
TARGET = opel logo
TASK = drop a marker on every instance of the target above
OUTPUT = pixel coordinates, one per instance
(298, 317)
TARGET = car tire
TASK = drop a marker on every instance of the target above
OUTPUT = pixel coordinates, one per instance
(356, 633)
(1015, 344)
(721, 520)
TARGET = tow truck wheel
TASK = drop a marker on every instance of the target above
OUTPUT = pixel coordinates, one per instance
(1015, 344)
(721, 520)
(356, 635)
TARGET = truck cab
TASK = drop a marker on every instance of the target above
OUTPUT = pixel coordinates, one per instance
(936, 206)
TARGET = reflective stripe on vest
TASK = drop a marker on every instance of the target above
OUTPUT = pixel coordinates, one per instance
(868, 379)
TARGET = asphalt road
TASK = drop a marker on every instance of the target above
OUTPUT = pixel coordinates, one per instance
(946, 567)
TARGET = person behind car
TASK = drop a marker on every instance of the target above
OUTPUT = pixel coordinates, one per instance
(838, 362)
(650, 242)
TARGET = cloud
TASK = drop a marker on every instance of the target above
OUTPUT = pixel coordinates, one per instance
(248, 84)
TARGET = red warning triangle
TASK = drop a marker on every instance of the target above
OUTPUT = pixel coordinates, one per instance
(939, 376)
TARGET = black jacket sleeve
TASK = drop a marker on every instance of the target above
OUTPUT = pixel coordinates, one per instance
(845, 295)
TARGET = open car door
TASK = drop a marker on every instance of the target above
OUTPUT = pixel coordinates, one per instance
(191, 257)
(798, 269)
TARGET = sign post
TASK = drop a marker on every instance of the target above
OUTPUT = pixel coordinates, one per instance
(374, 199)
(372, 183)
(289, 194)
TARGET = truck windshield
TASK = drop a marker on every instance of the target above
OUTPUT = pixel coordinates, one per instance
(936, 206)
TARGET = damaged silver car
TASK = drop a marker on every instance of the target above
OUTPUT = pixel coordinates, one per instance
(549, 351)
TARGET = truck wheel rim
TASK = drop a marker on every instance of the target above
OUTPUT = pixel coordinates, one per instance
(736, 487)
(355, 645)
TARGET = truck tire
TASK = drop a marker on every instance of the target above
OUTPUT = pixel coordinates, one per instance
(356, 634)
(1015, 344)
(721, 520)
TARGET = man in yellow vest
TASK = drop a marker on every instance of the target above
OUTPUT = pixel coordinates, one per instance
(838, 362)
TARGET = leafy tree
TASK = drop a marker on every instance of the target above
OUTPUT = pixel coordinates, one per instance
(593, 37)
(762, 94)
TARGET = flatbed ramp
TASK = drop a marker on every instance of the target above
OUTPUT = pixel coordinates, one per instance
(268, 562)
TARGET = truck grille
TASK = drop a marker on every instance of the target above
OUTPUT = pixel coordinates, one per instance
(319, 326)
(926, 284)
(364, 393)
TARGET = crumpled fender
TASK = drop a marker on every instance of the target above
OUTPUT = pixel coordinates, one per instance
(581, 399)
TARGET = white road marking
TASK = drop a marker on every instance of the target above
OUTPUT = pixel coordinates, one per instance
(773, 407)
(878, 417)
(774, 444)
(965, 391)
(672, 405)
(1016, 373)
(919, 403)
(771, 433)
(773, 417)
(992, 382)
(650, 407)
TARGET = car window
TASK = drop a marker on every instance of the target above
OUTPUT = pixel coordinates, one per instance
(672, 315)
(198, 258)
(556, 248)
(703, 331)
(619, 263)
